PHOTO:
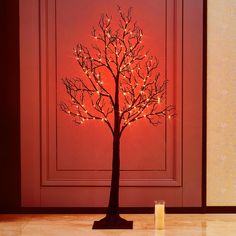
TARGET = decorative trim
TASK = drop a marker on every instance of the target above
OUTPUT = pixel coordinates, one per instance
(50, 176)
(204, 106)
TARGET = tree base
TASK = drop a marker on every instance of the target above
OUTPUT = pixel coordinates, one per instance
(113, 222)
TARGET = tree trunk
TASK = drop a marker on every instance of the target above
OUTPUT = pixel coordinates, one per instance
(113, 207)
(112, 220)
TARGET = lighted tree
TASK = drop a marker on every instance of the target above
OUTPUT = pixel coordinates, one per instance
(120, 85)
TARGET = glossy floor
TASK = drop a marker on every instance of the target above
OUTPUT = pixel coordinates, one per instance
(80, 225)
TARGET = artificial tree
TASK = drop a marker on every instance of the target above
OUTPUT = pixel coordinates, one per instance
(120, 85)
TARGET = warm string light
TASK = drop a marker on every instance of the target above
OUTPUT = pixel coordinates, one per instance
(131, 53)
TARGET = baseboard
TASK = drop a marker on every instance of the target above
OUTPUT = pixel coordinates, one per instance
(123, 210)
(221, 209)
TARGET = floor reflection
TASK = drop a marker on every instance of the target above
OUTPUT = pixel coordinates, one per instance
(80, 225)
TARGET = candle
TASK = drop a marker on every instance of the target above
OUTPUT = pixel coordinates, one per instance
(159, 214)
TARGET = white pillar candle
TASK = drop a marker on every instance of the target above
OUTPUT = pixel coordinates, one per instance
(159, 214)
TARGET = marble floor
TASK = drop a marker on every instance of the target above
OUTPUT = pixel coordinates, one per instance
(80, 225)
